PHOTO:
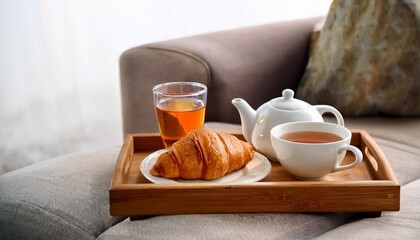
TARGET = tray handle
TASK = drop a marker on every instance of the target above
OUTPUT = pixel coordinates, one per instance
(373, 164)
(376, 159)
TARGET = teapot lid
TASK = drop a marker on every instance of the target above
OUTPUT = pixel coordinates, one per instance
(287, 102)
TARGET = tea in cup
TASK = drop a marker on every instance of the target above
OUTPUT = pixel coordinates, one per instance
(180, 108)
(311, 150)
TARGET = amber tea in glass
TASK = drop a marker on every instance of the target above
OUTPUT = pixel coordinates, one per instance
(180, 108)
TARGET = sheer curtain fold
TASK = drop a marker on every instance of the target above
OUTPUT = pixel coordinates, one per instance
(59, 76)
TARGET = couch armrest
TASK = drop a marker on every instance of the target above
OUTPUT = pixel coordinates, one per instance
(62, 198)
(254, 63)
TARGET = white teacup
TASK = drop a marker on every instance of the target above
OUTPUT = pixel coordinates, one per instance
(311, 150)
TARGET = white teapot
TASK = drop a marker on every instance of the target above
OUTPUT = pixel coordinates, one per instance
(256, 125)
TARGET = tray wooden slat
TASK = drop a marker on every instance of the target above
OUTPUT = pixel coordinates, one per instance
(369, 187)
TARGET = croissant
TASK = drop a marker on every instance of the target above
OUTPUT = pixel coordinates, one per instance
(203, 154)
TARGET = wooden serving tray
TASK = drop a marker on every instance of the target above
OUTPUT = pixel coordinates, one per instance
(369, 187)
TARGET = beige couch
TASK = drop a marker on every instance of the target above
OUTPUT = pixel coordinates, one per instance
(67, 197)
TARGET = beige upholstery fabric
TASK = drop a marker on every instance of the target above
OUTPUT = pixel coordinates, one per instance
(366, 59)
(61, 198)
(227, 226)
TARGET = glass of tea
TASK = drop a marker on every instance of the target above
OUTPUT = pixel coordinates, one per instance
(180, 108)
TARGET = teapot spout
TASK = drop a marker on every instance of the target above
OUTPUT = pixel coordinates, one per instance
(248, 117)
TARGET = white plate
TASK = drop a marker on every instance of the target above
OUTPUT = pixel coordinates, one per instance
(258, 168)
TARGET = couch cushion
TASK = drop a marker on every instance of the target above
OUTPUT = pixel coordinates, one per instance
(62, 198)
(366, 59)
(404, 224)
(228, 226)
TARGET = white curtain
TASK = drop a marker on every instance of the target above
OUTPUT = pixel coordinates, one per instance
(59, 76)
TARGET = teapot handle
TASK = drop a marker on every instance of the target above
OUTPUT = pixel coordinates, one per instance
(325, 108)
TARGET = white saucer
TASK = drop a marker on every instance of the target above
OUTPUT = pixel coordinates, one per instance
(257, 169)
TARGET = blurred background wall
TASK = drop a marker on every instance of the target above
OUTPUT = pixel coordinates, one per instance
(59, 75)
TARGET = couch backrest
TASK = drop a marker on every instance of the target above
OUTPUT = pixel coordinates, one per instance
(253, 63)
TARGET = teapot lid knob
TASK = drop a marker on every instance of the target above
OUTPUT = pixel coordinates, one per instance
(287, 102)
(288, 94)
